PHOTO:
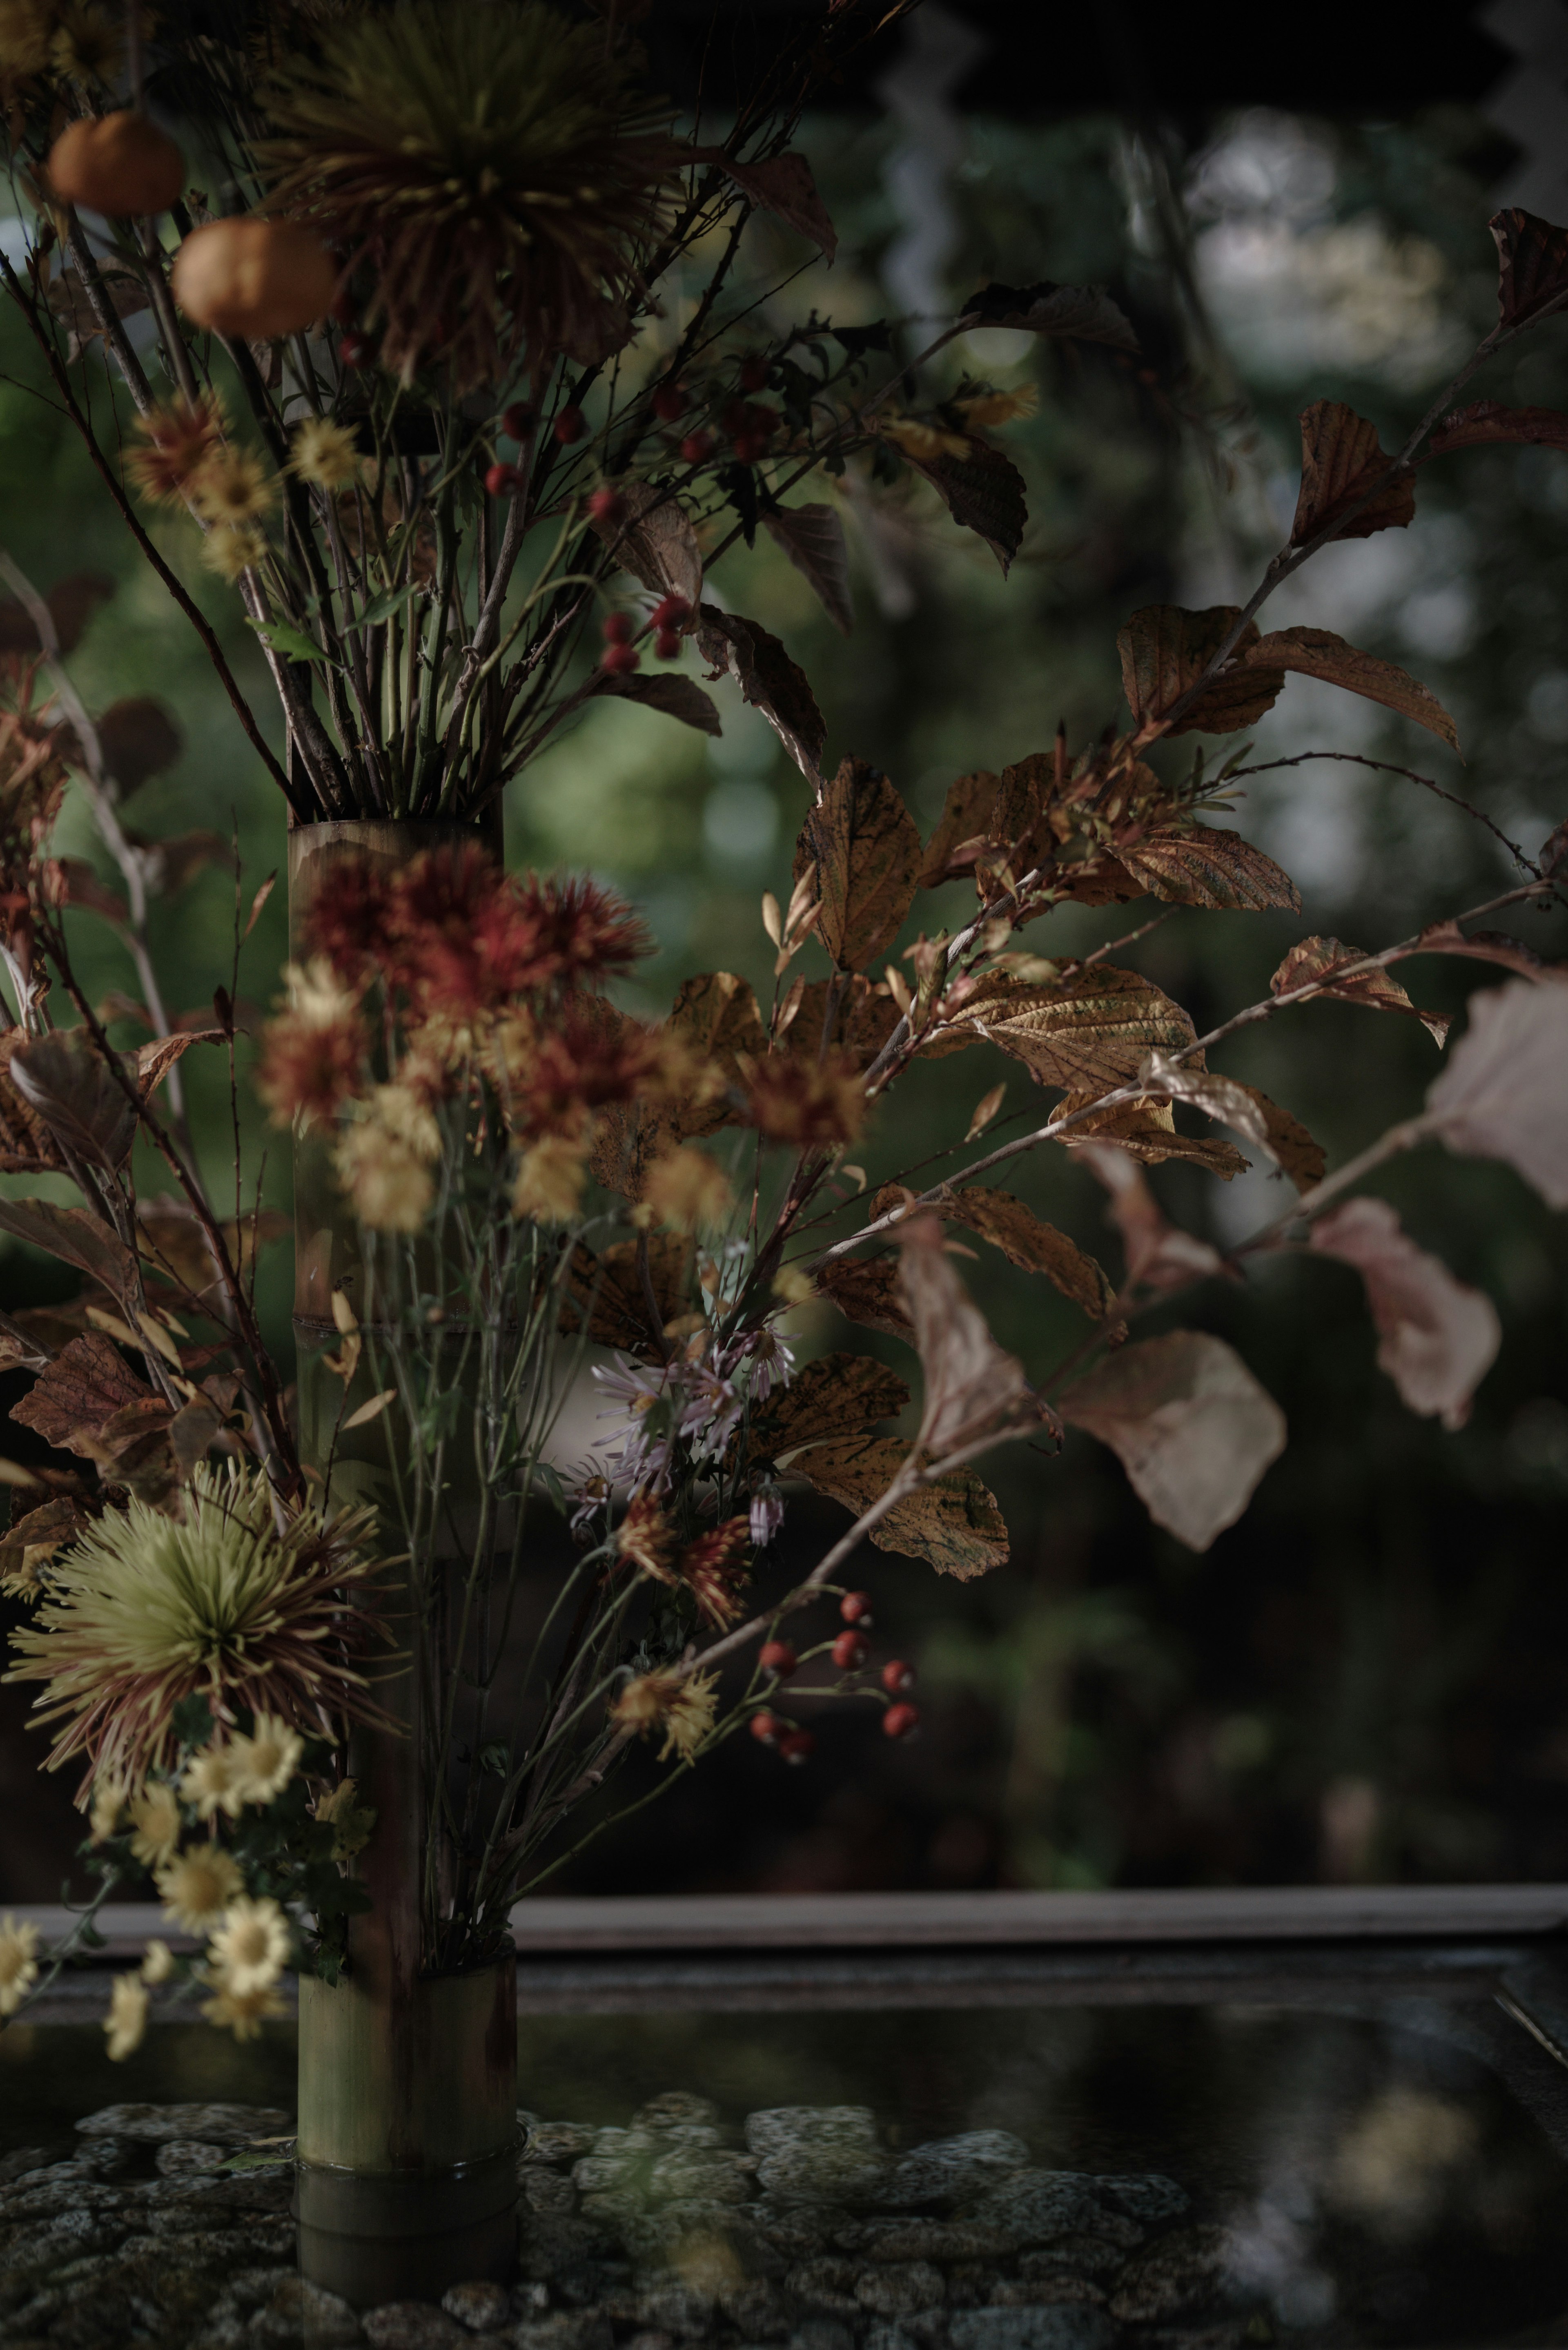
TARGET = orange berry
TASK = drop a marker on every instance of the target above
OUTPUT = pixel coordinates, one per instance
(118, 164)
(896, 1676)
(778, 1658)
(900, 1722)
(254, 277)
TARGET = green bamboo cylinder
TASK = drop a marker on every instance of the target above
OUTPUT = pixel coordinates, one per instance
(408, 2080)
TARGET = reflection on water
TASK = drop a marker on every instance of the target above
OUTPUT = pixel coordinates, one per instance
(1349, 2179)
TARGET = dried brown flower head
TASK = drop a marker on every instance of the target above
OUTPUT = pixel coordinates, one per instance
(486, 165)
(177, 445)
(794, 1100)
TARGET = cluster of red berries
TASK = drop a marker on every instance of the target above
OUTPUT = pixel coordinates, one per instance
(850, 1650)
(667, 620)
(750, 427)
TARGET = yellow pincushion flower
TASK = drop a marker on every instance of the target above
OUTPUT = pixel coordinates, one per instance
(682, 1708)
(199, 1886)
(233, 552)
(18, 1962)
(686, 1189)
(155, 1817)
(126, 2018)
(324, 453)
(249, 1949)
(390, 1185)
(233, 487)
(550, 1179)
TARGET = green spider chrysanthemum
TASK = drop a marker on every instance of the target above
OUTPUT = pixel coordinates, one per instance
(487, 164)
(145, 1610)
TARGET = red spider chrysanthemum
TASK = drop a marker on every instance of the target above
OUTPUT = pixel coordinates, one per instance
(714, 1572)
(310, 1066)
(587, 933)
(461, 940)
(581, 1064)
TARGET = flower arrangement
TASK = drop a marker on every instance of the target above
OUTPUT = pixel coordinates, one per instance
(426, 397)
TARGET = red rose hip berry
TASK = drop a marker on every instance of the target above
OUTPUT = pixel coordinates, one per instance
(796, 1745)
(518, 421)
(765, 1727)
(667, 644)
(670, 400)
(502, 480)
(778, 1658)
(620, 660)
(697, 448)
(898, 1677)
(856, 1608)
(606, 504)
(569, 426)
(900, 1722)
(849, 1652)
(670, 612)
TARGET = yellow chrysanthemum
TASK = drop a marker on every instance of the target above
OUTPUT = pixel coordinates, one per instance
(1000, 407)
(157, 1961)
(126, 2018)
(233, 487)
(391, 1186)
(550, 1179)
(108, 1804)
(249, 1949)
(324, 453)
(683, 1708)
(243, 2013)
(686, 1189)
(155, 1817)
(266, 1761)
(212, 1782)
(18, 1962)
(199, 1886)
(233, 552)
(88, 45)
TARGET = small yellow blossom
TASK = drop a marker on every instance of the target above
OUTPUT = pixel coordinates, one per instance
(686, 1187)
(550, 1179)
(349, 1820)
(18, 1962)
(249, 1949)
(244, 2013)
(325, 453)
(213, 1781)
(108, 1804)
(793, 1286)
(233, 487)
(196, 1889)
(266, 1761)
(233, 552)
(155, 1816)
(1000, 407)
(403, 1115)
(157, 1962)
(682, 1707)
(391, 1186)
(127, 2018)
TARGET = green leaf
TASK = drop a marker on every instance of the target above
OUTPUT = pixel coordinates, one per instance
(290, 642)
(383, 606)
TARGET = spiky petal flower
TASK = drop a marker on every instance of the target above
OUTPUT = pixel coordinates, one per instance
(244, 2013)
(267, 1760)
(233, 487)
(249, 1949)
(175, 447)
(145, 1610)
(126, 2018)
(18, 1962)
(488, 167)
(684, 1706)
(713, 1571)
(156, 1821)
(199, 1886)
(324, 453)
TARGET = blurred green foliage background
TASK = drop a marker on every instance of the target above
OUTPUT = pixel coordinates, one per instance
(1367, 1677)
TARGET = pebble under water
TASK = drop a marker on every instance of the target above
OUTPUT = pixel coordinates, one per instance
(1093, 2179)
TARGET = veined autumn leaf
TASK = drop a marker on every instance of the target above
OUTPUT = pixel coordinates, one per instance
(1093, 1030)
(1199, 865)
(668, 693)
(1158, 1253)
(862, 1019)
(1318, 652)
(811, 536)
(867, 850)
(1146, 1130)
(1488, 421)
(1011, 1225)
(1312, 962)
(1533, 265)
(983, 492)
(966, 814)
(1289, 1141)
(973, 1388)
(865, 1290)
(608, 1290)
(1341, 460)
(717, 1015)
(837, 1396)
(1165, 651)
(654, 540)
(953, 1523)
(769, 681)
(1189, 1424)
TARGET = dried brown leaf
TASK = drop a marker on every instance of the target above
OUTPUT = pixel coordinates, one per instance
(769, 681)
(867, 850)
(1488, 421)
(1490, 946)
(1189, 1424)
(655, 542)
(153, 1061)
(1503, 1092)
(1312, 962)
(1011, 1226)
(1318, 652)
(667, 691)
(1436, 1337)
(965, 817)
(64, 1081)
(73, 1236)
(609, 1290)
(862, 1019)
(1158, 1253)
(1341, 460)
(837, 1396)
(1165, 651)
(953, 1522)
(1289, 1142)
(139, 739)
(865, 1290)
(1533, 265)
(813, 538)
(191, 1432)
(80, 1394)
(1084, 314)
(1090, 1030)
(983, 492)
(1146, 1130)
(1199, 865)
(783, 185)
(973, 1388)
